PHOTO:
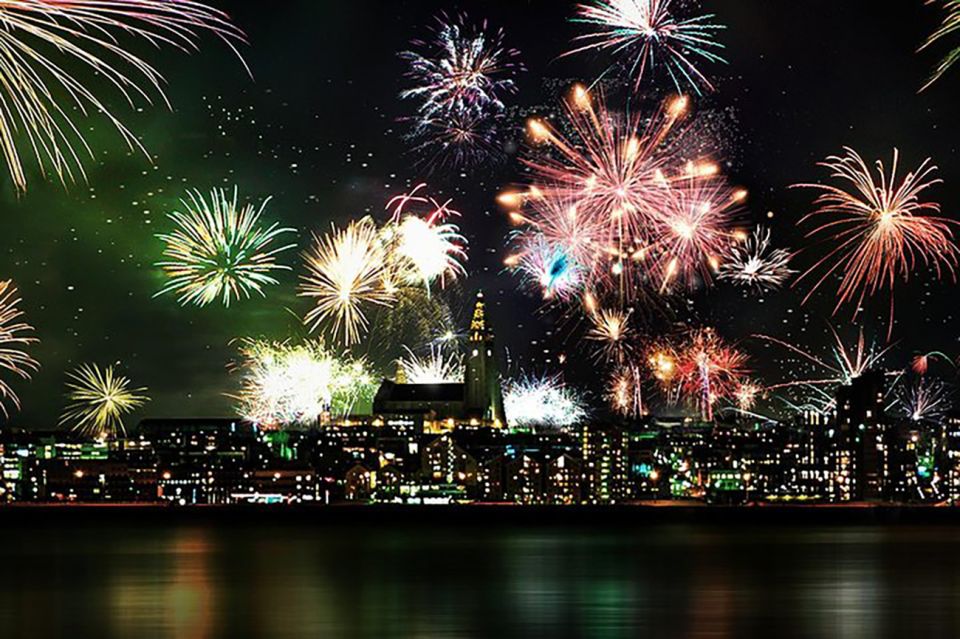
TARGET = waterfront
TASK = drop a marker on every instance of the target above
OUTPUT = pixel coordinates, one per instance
(298, 579)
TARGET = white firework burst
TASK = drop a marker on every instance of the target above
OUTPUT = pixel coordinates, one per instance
(754, 263)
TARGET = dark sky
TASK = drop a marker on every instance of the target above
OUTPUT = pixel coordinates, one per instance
(316, 129)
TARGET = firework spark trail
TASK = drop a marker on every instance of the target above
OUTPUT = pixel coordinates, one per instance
(543, 402)
(84, 33)
(878, 228)
(98, 400)
(219, 250)
(846, 364)
(15, 336)
(645, 31)
(433, 368)
(753, 263)
(284, 384)
(849, 363)
(347, 271)
(921, 363)
(949, 27)
(432, 210)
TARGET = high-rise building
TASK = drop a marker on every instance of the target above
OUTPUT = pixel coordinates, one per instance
(860, 418)
(605, 452)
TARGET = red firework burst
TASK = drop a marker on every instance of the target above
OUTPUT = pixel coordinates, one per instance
(878, 228)
(709, 369)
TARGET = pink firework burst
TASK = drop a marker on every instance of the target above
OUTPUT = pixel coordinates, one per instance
(613, 190)
(696, 230)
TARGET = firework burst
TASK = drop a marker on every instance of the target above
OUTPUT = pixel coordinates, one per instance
(347, 272)
(43, 41)
(611, 329)
(459, 80)
(625, 392)
(709, 369)
(746, 395)
(612, 194)
(663, 364)
(544, 402)
(15, 335)
(428, 252)
(284, 384)
(464, 69)
(697, 229)
(460, 141)
(423, 246)
(648, 34)
(878, 229)
(555, 243)
(220, 250)
(98, 400)
(753, 263)
(434, 368)
(925, 400)
(546, 266)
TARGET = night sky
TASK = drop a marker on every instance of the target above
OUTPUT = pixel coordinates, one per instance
(317, 129)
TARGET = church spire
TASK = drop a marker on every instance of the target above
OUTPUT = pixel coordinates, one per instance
(478, 323)
(483, 395)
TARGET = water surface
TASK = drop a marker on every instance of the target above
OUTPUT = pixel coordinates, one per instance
(199, 580)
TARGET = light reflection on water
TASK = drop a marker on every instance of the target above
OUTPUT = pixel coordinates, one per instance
(204, 581)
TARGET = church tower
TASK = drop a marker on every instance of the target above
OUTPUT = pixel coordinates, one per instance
(484, 398)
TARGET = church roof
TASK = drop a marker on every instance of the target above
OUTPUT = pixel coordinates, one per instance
(393, 392)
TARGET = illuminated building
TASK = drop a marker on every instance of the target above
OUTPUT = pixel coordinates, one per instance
(476, 402)
(360, 483)
(524, 483)
(605, 452)
(562, 480)
(447, 463)
(951, 457)
(484, 396)
(490, 479)
(860, 419)
(389, 481)
(727, 487)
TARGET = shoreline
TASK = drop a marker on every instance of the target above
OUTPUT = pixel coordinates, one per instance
(486, 515)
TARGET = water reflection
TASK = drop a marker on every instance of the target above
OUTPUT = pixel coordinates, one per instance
(199, 582)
